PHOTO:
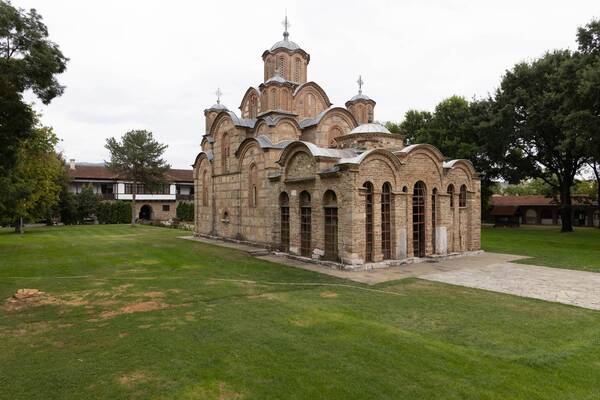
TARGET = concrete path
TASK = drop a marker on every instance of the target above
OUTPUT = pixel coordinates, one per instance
(488, 271)
(578, 288)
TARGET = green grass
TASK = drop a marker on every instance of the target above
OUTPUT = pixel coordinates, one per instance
(547, 246)
(223, 337)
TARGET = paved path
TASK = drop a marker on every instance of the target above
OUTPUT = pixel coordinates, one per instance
(578, 288)
(489, 271)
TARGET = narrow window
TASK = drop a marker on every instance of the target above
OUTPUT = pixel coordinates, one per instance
(433, 218)
(297, 71)
(368, 221)
(418, 201)
(450, 191)
(252, 186)
(386, 225)
(330, 209)
(273, 99)
(225, 144)
(462, 197)
(305, 224)
(204, 189)
(284, 208)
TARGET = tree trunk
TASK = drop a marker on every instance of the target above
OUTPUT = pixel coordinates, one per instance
(133, 204)
(19, 225)
(566, 210)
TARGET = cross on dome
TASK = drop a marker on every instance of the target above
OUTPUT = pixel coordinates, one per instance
(360, 84)
(218, 93)
(286, 24)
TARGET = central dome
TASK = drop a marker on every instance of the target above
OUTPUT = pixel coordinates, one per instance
(285, 44)
(372, 127)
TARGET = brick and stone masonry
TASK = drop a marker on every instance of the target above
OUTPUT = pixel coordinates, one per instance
(295, 173)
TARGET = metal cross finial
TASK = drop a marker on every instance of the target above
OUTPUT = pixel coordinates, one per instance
(286, 24)
(360, 84)
(219, 94)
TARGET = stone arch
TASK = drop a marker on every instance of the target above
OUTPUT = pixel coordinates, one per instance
(380, 164)
(286, 128)
(309, 99)
(250, 105)
(330, 225)
(145, 212)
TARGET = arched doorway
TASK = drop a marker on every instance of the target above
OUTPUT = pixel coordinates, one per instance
(330, 209)
(146, 212)
(305, 224)
(418, 201)
(284, 207)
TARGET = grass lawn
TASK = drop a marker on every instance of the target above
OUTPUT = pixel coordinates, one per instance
(547, 246)
(135, 313)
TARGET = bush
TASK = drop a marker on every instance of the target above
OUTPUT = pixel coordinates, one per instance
(185, 211)
(114, 212)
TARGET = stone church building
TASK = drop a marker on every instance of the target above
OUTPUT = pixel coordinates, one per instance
(299, 175)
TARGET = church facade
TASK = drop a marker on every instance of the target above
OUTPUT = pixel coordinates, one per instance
(296, 174)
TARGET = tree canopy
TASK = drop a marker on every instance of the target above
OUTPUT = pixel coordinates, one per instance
(28, 61)
(137, 157)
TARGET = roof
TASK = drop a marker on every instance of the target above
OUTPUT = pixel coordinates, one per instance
(360, 96)
(101, 172)
(285, 44)
(218, 106)
(370, 128)
(504, 210)
(537, 200)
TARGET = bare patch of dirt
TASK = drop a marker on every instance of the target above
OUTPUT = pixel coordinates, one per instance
(153, 295)
(142, 306)
(268, 296)
(226, 393)
(26, 298)
(174, 290)
(132, 379)
(329, 295)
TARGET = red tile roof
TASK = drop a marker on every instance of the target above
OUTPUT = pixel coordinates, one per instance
(504, 210)
(100, 172)
(517, 201)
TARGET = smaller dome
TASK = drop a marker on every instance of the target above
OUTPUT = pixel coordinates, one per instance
(285, 44)
(360, 96)
(276, 78)
(218, 106)
(370, 128)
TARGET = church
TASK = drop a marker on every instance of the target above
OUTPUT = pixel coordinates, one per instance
(296, 174)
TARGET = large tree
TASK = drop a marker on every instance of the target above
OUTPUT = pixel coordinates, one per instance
(28, 61)
(138, 158)
(32, 187)
(551, 120)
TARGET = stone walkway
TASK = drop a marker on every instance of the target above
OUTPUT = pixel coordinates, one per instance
(578, 288)
(488, 271)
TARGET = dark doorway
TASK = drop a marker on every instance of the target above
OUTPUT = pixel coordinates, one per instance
(331, 225)
(305, 224)
(284, 206)
(146, 212)
(419, 219)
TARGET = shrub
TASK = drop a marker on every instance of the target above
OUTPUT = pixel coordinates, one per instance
(114, 212)
(185, 211)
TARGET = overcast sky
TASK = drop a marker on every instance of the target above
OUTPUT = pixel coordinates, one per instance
(156, 64)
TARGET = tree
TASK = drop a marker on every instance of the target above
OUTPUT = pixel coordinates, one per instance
(32, 187)
(414, 124)
(551, 120)
(588, 38)
(28, 61)
(137, 157)
(87, 203)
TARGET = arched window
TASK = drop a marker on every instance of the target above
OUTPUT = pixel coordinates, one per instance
(334, 132)
(225, 145)
(462, 197)
(310, 106)
(450, 191)
(283, 100)
(204, 189)
(253, 106)
(282, 67)
(370, 112)
(368, 221)
(284, 207)
(386, 221)
(418, 201)
(330, 209)
(433, 217)
(297, 70)
(305, 224)
(252, 186)
(273, 99)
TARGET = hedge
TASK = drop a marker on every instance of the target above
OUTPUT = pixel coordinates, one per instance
(114, 212)
(185, 211)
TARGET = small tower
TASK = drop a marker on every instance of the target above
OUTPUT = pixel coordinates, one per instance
(361, 106)
(211, 113)
(286, 57)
